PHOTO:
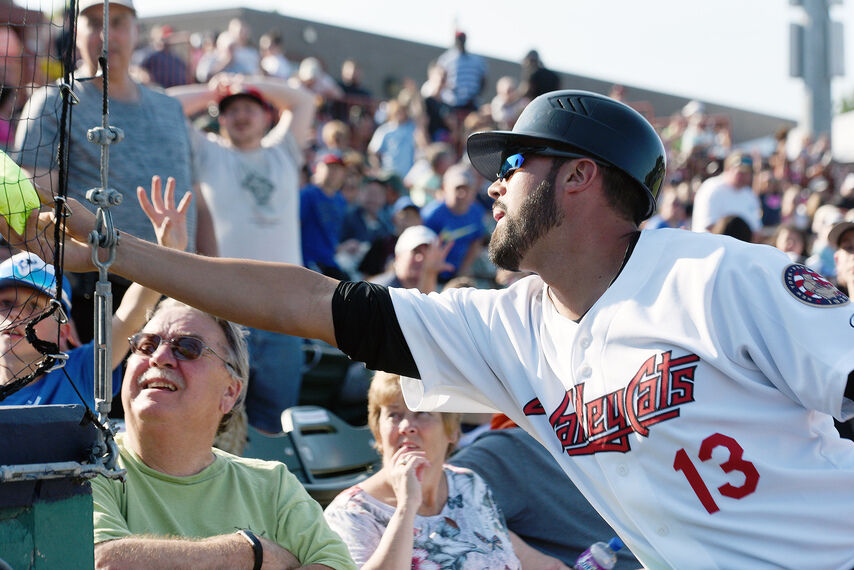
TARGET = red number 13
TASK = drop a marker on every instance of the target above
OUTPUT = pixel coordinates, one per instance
(735, 462)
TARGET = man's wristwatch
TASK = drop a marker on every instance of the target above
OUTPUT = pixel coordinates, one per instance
(257, 547)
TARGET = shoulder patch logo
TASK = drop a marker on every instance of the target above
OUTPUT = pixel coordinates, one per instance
(811, 288)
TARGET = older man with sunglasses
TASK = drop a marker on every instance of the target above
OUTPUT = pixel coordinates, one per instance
(186, 504)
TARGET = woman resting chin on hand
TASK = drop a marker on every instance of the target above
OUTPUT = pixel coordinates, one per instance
(418, 512)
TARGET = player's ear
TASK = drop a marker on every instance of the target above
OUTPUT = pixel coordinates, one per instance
(578, 174)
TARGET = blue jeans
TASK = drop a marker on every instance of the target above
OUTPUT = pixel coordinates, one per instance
(274, 379)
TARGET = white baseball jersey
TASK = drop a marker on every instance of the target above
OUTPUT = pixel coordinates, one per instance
(692, 404)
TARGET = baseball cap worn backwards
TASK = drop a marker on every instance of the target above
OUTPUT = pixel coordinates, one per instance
(28, 270)
(412, 237)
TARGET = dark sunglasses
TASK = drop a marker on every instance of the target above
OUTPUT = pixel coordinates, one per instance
(515, 161)
(183, 347)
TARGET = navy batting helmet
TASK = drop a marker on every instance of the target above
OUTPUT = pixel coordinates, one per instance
(579, 122)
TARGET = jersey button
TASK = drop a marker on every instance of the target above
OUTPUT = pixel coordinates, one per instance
(586, 342)
(585, 371)
(622, 469)
(663, 531)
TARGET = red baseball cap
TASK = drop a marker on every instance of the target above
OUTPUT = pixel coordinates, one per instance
(234, 92)
(330, 158)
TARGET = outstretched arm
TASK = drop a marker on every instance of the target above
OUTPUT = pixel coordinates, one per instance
(273, 296)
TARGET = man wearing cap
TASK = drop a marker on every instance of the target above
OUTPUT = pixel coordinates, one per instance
(686, 382)
(418, 259)
(249, 176)
(457, 218)
(728, 194)
(156, 140)
(841, 237)
(322, 210)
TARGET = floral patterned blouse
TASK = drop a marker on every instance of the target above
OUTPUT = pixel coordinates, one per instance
(469, 533)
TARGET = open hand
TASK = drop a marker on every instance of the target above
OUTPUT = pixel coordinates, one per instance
(170, 223)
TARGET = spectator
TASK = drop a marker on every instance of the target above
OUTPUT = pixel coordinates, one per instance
(733, 226)
(157, 140)
(10, 82)
(417, 510)
(466, 75)
(440, 126)
(183, 499)
(671, 211)
(404, 214)
(418, 260)
(335, 136)
(273, 60)
(516, 467)
(841, 237)
(354, 93)
(424, 179)
(536, 78)
(322, 211)
(507, 103)
(27, 286)
(249, 176)
(247, 60)
(368, 220)
(790, 239)
(164, 67)
(394, 142)
(730, 193)
(821, 252)
(458, 218)
(312, 76)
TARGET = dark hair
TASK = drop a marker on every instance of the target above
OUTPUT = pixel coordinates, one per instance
(624, 194)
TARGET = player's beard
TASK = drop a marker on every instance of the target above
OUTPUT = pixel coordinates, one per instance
(537, 215)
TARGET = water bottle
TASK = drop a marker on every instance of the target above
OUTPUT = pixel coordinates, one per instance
(599, 556)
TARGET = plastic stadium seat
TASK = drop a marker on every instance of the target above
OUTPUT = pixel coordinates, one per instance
(274, 447)
(334, 455)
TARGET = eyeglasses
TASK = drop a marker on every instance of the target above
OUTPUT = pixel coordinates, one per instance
(183, 347)
(515, 161)
(510, 165)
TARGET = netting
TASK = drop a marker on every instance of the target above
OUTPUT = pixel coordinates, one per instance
(36, 59)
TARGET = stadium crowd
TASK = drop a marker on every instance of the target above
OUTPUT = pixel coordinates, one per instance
(382, 190)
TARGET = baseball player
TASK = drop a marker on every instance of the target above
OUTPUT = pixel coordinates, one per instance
(686, 382)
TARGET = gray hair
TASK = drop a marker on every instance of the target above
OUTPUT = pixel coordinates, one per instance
(237, 355)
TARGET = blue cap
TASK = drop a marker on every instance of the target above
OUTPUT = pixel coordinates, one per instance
(402, 203)
(28, 270)
(615, 544)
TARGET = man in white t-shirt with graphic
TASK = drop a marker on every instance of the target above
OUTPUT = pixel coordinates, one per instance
(249, 177)
(728, 194)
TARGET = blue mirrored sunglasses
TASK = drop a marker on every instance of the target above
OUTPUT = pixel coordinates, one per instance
(515, 161)
(510, 165)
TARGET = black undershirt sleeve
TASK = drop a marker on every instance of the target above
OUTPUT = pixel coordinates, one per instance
(849, 388)
(366, 328)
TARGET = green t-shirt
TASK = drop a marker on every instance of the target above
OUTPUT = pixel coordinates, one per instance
(230, 494)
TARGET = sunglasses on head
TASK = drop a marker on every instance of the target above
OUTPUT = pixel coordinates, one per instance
(183, 347)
